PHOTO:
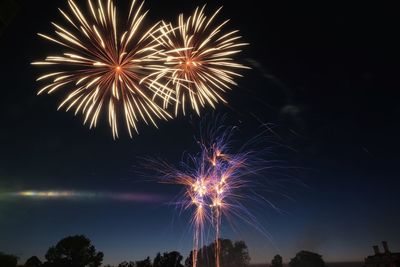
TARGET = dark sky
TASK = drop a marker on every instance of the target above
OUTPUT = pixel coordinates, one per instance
(324, 75)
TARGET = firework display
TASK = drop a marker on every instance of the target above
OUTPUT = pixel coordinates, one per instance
(136, 74)
(218, 184)
(104, 65)
(199, 63)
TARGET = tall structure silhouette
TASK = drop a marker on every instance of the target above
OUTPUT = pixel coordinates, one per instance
(383, 259)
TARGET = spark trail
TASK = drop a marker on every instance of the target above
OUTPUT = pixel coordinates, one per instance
(200, 61)
(219, 184)
(104, 63)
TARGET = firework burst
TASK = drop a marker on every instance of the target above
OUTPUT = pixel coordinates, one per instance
(199, 64)
(104, 65)
(220, 183)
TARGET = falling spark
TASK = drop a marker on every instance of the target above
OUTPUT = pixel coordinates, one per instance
(199, 62)
(103, 66)
(219, 183)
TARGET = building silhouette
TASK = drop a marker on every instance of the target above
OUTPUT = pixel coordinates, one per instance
(383, 259)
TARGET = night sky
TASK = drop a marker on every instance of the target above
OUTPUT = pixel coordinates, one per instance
(324, 76)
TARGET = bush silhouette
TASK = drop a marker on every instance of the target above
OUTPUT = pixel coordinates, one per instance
(307, 259)
(126, 264)
(33, 262)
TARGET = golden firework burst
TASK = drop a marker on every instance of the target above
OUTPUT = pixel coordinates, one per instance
(104, 65)
(199, 63)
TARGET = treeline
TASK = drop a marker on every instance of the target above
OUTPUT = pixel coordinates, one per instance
(302, 259)
(77, 251)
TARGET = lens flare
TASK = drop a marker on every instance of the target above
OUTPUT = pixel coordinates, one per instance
(83, 195)
(199, 62)
(104, 64)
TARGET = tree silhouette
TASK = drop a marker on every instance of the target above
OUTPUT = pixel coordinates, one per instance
(74, 251)
(277, 261)
(188, 261)
(8, 260)
(33, 262)
(158, 260)
(231, 255)
(144, 263)
(307, 259)
(239, 255)
(168, 259)
(126, 264)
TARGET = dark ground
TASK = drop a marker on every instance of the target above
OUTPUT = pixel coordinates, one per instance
(341, 264)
